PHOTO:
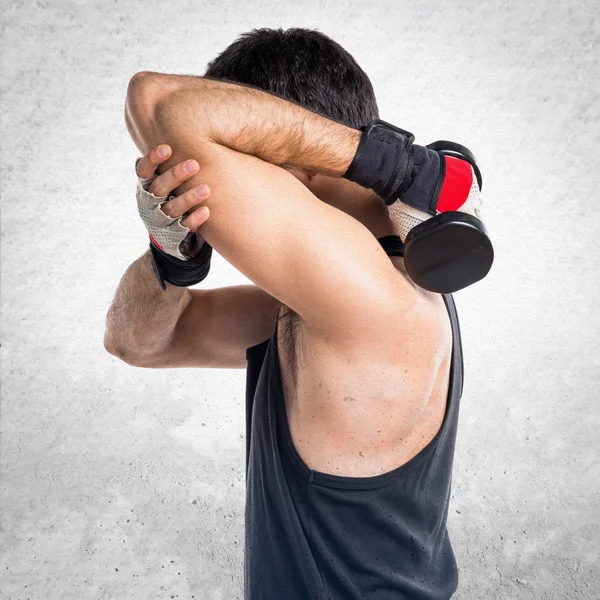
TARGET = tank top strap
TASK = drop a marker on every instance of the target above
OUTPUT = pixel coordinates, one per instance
(458, 374)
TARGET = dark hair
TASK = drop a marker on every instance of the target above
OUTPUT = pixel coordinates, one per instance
(302, 65)
(309, 68)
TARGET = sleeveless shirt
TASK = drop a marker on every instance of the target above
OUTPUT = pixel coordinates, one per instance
(316, 536)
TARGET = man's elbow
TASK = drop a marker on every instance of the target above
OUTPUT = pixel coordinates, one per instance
(124, 355)
(138, 107)
(144, 88)
(145, 91)
(139, 82)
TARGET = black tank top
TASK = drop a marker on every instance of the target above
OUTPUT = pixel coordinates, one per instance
(315, 536)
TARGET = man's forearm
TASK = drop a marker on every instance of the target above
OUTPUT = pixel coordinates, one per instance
(142, 317)
(254, 122)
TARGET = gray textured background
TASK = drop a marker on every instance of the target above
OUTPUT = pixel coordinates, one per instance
(120, 482)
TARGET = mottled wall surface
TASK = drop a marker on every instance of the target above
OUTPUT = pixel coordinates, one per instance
(121, 482)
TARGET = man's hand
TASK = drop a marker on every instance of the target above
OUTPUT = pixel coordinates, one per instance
(162, 185)
(180, 255)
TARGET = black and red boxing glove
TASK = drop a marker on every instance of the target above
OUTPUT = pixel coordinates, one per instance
(446, 246)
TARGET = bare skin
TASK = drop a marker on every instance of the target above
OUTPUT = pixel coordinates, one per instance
(328, 439)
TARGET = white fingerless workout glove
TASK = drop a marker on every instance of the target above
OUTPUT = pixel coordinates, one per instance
(179, 256)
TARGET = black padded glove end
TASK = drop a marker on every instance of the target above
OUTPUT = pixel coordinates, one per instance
(383, 160)
(183, 273)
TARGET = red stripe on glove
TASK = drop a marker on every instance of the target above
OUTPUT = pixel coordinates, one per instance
(155, 242)
(457, 184)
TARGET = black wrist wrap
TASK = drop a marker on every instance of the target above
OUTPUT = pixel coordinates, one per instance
(387, 162)
(183, 273)
(382, 159)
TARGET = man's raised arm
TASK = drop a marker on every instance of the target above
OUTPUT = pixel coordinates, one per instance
(312, 257)
(247, 120)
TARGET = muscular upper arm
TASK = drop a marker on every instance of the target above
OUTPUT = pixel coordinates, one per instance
(217, 327)
(319, 261)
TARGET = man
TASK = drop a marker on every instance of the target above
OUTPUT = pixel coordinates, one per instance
(354, 373)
